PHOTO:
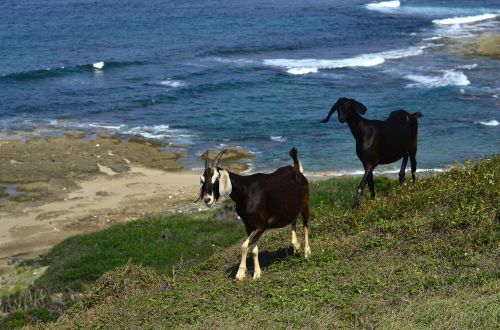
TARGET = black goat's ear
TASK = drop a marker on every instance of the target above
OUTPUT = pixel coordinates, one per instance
(358, 106)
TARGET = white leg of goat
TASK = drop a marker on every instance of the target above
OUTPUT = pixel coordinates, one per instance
(240, 275)
(295, 241)
(255, 254)
(307, 248)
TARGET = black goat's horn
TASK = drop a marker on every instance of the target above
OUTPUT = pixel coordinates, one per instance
(218, 158)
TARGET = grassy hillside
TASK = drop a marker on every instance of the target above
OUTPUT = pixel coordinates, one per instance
(164, 244)
(425, 255)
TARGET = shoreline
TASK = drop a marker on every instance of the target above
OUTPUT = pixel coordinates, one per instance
(30, 230)
(55, 188)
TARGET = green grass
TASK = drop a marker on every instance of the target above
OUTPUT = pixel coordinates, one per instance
(159, 243)
(421, 255)
(164, 244)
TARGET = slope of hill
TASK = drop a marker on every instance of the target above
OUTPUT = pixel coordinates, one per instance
(424, 255)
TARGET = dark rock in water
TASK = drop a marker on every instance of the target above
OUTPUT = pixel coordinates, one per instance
(75, 135)
(148, 142)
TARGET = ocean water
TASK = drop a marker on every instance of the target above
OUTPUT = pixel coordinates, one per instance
(256, 74)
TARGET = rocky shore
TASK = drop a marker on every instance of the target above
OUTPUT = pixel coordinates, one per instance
(56, 186)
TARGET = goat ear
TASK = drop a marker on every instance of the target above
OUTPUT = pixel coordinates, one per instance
(225, 186)
(358, 106)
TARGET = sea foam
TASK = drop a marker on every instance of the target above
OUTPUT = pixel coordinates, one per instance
(98, 65)
(464, 20)
(492, 122)
(448, 78)
(172, 83)
(310, 65)
(384, 5)
(278, 138)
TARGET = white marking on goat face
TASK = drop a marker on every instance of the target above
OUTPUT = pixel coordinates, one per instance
(215, 175)
(208, 179)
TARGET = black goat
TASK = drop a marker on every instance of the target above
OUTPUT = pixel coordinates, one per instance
(263, 201)
(379, 142)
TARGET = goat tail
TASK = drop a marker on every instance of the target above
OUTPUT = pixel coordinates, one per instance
(417, 115)
(296, 161)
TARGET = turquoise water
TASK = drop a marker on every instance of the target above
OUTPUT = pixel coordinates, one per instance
(255, 74)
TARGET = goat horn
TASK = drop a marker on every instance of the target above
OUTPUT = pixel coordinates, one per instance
(218, 158)
(205, 155)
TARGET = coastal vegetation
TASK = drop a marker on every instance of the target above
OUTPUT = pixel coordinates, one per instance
(420, 255)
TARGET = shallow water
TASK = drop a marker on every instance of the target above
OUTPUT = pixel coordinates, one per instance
(255, 74)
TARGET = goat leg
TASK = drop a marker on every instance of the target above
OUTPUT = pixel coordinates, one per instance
(403, 169)
(295, 241)
(254, 236)
(371, 185)
(413, 162)
(256, 265)
(361, 186)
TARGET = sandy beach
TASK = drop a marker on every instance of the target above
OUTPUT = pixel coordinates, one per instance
(28, 231)
(43, 205)
(55, 187)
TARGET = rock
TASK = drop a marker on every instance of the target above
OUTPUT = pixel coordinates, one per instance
(75, 134)
(148, 142)
(13, 260)
(230, 154)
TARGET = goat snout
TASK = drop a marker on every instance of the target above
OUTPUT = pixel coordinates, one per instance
(208, 200)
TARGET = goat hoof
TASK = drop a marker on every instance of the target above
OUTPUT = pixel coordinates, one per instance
(240, 275)
(256, 275)
(296, 249)
(307, 253)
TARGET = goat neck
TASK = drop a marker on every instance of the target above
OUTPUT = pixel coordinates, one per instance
(356, 123)
(238, 193)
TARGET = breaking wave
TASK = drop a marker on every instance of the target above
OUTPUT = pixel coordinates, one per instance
(448, 78)
(172, 83)
(278, 138)
(65, 71)
(492, 122)
(305, 66)
(464, 20)
(384, 5)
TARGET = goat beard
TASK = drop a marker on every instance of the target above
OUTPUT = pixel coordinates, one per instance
(199, 196)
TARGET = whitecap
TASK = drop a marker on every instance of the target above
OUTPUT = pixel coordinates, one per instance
(278, 138)
(448, 78)
(311, 65)
(464, 20)
(108, 127)
(98, 65)
(384, 5)
(302, 70)
(468, 66)
(172, 83)
(492, 122)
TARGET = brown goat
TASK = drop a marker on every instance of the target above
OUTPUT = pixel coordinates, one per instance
(263, 201)
(379, 142)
